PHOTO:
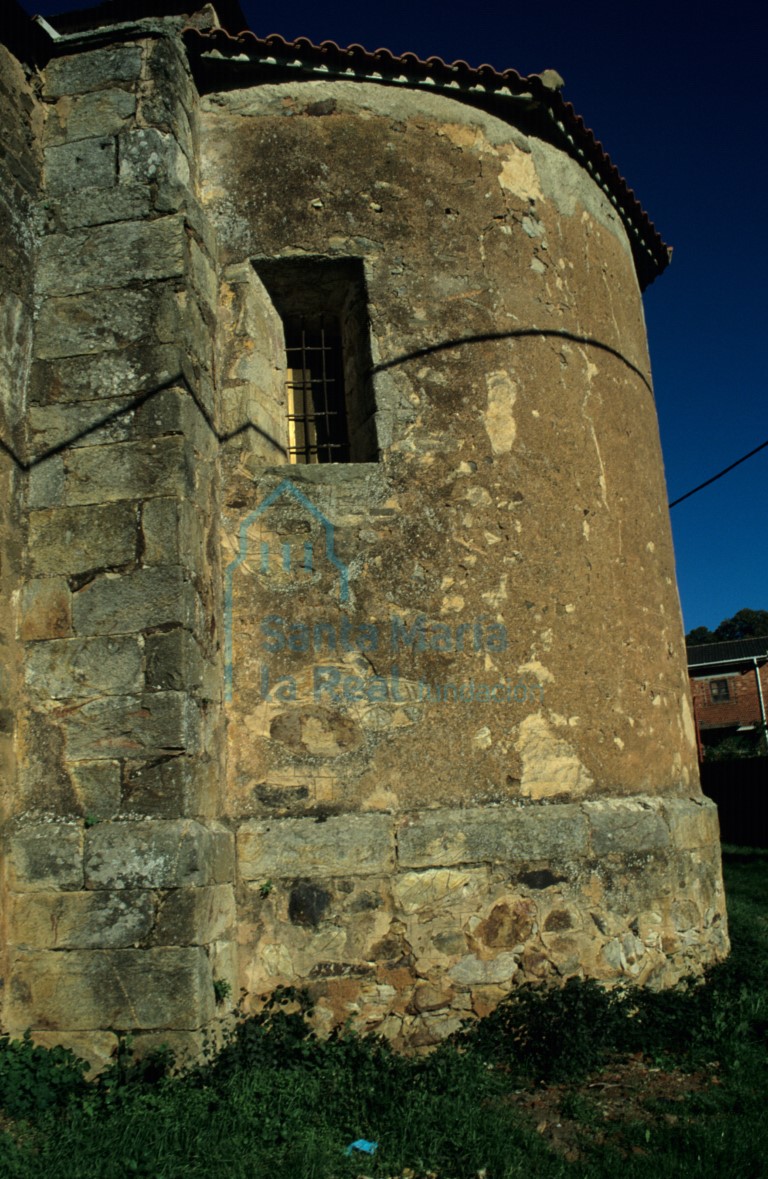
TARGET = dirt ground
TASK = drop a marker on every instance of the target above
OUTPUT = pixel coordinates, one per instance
(593, 1112)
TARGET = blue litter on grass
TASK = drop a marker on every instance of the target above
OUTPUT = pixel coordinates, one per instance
(362, 1145)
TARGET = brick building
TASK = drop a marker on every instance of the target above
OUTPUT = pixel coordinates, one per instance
(729, 686)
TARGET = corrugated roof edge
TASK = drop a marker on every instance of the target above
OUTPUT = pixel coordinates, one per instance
(651, 254)
(727, 651)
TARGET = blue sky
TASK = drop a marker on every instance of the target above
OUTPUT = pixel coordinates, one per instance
(675, 95)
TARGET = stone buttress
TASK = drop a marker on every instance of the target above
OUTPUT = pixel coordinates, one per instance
(118, 886)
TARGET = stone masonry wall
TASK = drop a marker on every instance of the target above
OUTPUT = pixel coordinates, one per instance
(460, 748)
(407, 731)
(521, 479)
(410, 924)
(20, 174)
(120, 877)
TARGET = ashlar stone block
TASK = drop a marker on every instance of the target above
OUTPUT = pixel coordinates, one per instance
(170, 96)
(46, 609)
(128, 470)
(692, 824)
(94, 70)
(73, 263)
(97, 786)
(108, 989)
(78, 539)
(165, 788)
(344, 845)
(100, 378)
(85, 667)
(44, 856)
(443, 838)
(149, 156)
(172, 533)
(174, 662)
(82, 920)
(99, 113)
(16, 334)
(92, 423)
(622, 826)
(203, 275)
(103, 321)
(152, 725)
(154, 854)
(171, 411)
(88, 163)
(99, 206)
(134, 601)
(98, 1048)
(195, 916)
(46, 483)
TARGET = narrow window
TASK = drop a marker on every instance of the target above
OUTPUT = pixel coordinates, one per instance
(317, 407)
(330, 406)
(718, 691)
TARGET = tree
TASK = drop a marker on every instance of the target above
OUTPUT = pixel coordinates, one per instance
(745, 624)
(699, 634)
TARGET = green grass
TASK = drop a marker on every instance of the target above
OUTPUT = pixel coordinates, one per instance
(279, 1104)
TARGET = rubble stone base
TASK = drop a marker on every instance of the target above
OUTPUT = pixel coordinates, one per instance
(409, 925)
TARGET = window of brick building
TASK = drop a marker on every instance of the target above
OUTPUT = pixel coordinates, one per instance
(330, 407)
(719, 691)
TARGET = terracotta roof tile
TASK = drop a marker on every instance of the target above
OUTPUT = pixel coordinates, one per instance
(566, 127)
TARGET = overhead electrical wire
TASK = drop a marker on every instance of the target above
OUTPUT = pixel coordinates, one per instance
(719, 475)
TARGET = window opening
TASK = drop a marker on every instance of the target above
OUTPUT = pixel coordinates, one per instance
(718, 690)
(330, 406)
(317, 413)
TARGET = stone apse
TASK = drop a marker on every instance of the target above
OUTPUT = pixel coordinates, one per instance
(341, 645)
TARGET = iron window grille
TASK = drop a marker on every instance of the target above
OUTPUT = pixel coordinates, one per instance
(317, 413)
(330, 404)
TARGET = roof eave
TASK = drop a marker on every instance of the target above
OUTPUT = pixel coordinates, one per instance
(252, 58)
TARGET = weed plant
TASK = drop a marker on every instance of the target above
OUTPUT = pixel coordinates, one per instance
(278, 1103)
(35, 1080)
